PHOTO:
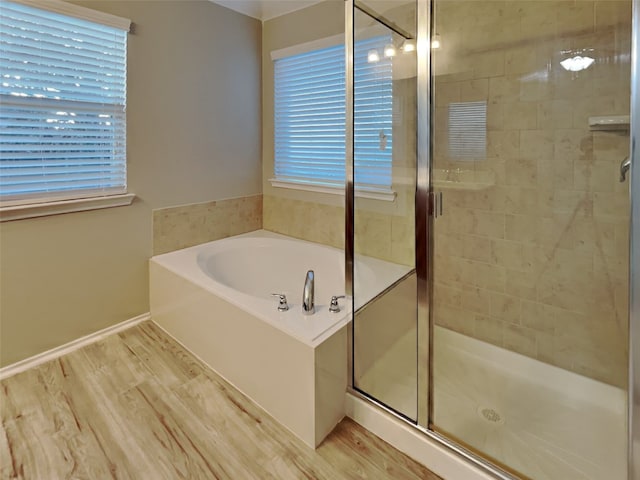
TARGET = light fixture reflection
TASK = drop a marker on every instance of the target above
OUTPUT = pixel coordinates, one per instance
(389, 51)
(577, 63)
(435, 42)
(408, 46)
(373, 56)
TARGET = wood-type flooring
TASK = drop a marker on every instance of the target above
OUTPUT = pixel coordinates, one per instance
(138, 406)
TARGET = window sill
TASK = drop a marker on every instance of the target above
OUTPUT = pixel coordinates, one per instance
(31, 210)
(373, 193)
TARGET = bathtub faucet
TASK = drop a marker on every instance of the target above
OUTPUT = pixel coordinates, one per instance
(308, 293)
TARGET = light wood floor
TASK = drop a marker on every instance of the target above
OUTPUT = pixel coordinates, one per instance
(138, 406)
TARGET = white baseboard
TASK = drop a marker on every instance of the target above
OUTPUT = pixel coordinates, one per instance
(40, 358)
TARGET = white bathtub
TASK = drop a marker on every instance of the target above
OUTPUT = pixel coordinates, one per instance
(246, 269)
(216, 300)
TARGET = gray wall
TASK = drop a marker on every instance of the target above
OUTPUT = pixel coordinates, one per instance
(194, 135)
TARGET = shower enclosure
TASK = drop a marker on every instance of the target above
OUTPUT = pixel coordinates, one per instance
(500, 130)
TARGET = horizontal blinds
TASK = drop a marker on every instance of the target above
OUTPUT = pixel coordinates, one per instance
(63, 97)
(468, 130)
(373, 114)
(310, 116)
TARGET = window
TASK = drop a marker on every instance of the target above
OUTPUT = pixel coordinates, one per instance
(467, 131)
(310, 117)
(63, 96)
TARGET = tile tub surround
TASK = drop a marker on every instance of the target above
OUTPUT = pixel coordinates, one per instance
(187, 225)
(382, 230)
(538, 262)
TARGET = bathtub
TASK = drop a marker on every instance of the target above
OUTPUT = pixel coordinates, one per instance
(216, 300)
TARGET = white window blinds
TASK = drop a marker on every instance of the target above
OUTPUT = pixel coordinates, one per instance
(468, 131)
(62, 115)
(310, 116)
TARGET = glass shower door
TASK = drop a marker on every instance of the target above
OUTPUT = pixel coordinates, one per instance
(384, 326)
(530, 282)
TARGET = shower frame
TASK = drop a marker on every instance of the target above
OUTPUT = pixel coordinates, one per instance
(425, 206)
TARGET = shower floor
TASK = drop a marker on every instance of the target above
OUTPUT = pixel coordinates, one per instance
(540, 420)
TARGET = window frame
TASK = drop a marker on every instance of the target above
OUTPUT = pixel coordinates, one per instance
(73, 200)
(377, 192)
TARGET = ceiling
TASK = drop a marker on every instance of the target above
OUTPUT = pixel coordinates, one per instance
(265, 9)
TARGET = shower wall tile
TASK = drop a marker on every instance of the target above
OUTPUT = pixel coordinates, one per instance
(537, 263)
(187, 225)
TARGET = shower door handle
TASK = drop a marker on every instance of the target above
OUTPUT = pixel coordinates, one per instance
(437, 204)
(624, 168)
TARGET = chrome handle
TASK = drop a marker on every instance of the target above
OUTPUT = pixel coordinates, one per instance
(624, 168)
(283, 306)
(334, 307)
(437, 204)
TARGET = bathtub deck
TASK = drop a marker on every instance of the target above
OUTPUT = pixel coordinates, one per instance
(136, 405)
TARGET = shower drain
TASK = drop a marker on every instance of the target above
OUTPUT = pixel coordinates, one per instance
(490, 415)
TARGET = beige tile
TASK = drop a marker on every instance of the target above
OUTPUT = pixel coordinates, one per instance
(521, 200)
(555, 114)
(489, 329)
(514, 255)
(186, 225)
(521, 228)
(522, 172)
(520, 116)
(610, 146)
(476, 300)
(522, 284)
(505, 307)
(596, 176)
(446, 93)
(572, 202)
(373, 234)
(537, 144)
(545, 347)
(609, 13)
(576, 16)
(585, 107)
(477, 248)
(455, 319)
(522, 59)
(556, 173)
(591, 235)
(520, 339)
(489, 277)
(474, 90)
(573, 145)
(505, 89)
(611, 206)
(538, 316)
(495, 117)
(489, 64)
(403, 240)
(574, 87)
(503, 144)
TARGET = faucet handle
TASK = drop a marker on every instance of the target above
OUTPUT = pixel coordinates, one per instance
(283, 306)
(333, 306)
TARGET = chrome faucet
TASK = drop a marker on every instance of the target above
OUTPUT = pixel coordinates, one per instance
(308, 293)
(624, 168)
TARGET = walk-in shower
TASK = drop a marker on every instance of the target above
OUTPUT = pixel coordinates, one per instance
(503, 127)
